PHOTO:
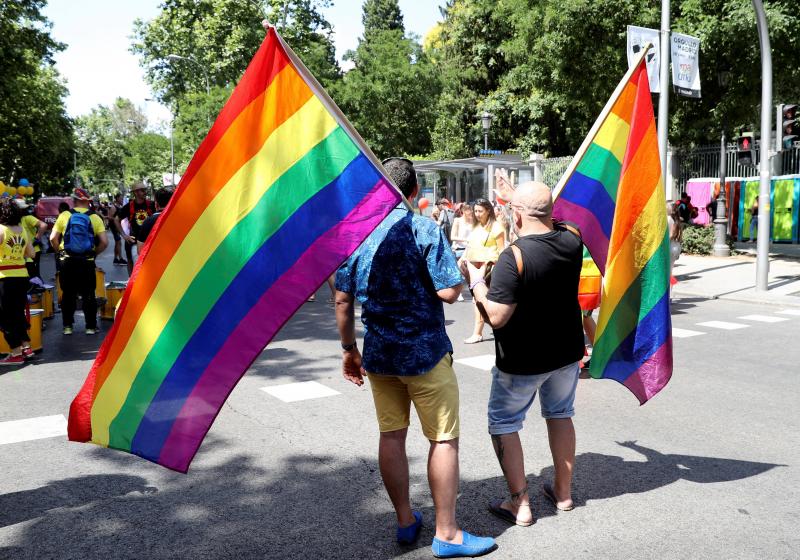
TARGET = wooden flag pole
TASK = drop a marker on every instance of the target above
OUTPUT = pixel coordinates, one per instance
(331, 106)
(599, 122)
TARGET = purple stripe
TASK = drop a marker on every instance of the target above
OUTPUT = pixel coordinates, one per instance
(591, 230)
(265, 319)
(652, 375)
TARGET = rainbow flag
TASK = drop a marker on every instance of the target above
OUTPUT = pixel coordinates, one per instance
(614, 191)
(280, 192)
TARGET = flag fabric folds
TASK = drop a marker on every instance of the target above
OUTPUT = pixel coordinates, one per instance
(280, 192)
(615, 194)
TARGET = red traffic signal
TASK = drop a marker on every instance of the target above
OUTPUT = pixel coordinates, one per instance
(790, 127)
(745, 149)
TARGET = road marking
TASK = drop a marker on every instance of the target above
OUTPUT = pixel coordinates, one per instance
(795, 312)
(723, 325)
(485, 362)
(764, 318)
(303, 391)
(29, 429)
(684, 333)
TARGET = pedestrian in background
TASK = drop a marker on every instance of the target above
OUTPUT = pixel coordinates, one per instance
(15, 247)
(163, 196)
(533, 308)
(401, 275)
(78, 236)
(34, 229)
(114, 209)
(136, 212)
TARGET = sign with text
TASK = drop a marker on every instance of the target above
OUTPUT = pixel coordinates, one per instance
(685, 65)
(638, 37)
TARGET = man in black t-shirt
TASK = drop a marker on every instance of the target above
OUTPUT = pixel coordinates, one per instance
(163, 197)
(136, 212)
(534, 311)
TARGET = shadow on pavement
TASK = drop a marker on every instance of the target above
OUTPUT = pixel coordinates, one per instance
(314, 506)
(680, 305)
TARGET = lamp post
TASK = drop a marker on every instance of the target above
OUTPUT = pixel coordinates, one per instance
(486, 123)
(175, 57)
(721, 248)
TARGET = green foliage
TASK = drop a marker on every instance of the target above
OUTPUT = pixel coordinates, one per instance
(697, 240)
(149, 158)
(196, 112)
(381, 15)
(35, 132)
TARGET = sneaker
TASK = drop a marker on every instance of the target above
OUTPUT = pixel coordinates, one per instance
(409, 535)
(120, 262)
(12, 360)
(67, 330)
(470, 546)
(91, 332)
(27, 353)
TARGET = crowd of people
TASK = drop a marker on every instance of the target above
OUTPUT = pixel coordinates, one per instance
(77, 237)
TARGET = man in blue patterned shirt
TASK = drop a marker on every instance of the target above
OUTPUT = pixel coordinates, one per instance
(401, 275)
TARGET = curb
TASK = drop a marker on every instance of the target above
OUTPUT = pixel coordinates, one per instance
(776, 300)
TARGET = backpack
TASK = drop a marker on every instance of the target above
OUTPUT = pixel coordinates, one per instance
(79, 235)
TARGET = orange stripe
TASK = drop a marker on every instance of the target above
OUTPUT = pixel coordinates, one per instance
(287, 93)
(623, 107)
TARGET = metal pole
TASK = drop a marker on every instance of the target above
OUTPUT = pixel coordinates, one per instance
(485, 140)
(762, 251)
(663, 98)
(75, 167)
(172, 151)
(721, 248)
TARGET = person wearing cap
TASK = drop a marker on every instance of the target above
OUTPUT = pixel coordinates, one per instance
(35, 229)
(77, 271)
(532, 306)
(136, 212)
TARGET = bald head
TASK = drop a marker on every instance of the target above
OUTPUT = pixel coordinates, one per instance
(534, 200)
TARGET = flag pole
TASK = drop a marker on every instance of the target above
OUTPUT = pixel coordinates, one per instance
(331, 106)
(599, 122)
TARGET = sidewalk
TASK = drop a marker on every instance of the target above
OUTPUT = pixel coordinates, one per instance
(734, 278)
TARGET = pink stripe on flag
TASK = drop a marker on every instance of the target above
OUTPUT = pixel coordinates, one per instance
(265, 319)
(649, 379)
(591, 231)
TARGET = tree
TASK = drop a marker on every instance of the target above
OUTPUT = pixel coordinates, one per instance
(35, 132)
(390, 94)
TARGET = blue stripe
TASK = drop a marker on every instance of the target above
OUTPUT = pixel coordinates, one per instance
(592, 195)
(277, 255)
(650, 335)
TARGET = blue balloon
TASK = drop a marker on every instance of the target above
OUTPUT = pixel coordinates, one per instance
(24, 183)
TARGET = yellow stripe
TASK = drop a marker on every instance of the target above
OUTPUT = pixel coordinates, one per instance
(613, 136)
(637, 250)
(287, 145)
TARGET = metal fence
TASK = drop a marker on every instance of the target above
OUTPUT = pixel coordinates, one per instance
(553, 169)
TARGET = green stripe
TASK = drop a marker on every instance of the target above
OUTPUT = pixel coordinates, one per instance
(639, 299)
(601, 165)
(314, 171)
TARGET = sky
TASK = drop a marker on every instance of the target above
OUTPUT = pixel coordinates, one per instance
(99, 68)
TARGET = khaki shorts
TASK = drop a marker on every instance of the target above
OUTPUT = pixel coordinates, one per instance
(434, 394)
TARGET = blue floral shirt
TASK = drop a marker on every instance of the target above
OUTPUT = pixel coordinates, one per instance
(395, 274)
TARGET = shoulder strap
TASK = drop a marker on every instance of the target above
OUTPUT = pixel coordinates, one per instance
(517, 257)
(72, 210)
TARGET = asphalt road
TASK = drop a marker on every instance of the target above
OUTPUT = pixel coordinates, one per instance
(707, 469)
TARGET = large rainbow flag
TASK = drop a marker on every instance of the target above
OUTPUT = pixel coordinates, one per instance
(280, 192)
(614, 191)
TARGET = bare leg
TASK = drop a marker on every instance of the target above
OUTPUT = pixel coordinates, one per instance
(393, 463)
(589, 327)
(443, 480)
(477, 331)
(561, 433)
(332, 287)
(508, 449)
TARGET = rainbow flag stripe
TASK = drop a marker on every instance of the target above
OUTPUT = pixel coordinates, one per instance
(280, 192)
(616, 196)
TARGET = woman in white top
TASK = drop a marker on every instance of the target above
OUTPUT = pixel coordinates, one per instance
(484, 245)
(463, 224)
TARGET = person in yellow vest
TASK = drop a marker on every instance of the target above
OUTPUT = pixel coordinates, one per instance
(589, 289)
(35, 229)
(15, 247)
(78, 236)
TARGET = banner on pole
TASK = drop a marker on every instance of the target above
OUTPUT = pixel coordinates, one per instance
(685, 65)
(638, 37)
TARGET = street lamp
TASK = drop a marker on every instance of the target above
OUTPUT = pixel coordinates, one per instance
(721, 248)
(486, 124)
(175, 57)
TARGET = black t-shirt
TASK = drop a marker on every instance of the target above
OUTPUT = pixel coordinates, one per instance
(545, 332)
(136, 214)
(147, 226)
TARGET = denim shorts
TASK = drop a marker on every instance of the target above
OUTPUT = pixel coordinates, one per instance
(512, 395)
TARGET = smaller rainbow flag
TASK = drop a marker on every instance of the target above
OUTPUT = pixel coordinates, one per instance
(277, 196)
(614, 191)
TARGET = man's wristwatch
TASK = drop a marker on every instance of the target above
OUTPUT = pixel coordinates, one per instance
(348, 347)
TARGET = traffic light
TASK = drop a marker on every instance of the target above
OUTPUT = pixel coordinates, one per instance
(790, 126)
(746, 149)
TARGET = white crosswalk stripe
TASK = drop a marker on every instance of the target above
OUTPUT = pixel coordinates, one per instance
(293, 392)
(16, 431)
(484, 362)
(723, 325)
(684, 333)
(764, 318)
(794, 312)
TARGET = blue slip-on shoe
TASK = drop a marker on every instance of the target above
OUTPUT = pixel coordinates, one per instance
(470, 546)
(408, 535)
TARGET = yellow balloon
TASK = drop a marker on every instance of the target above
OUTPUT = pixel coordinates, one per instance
(12, 191)
(28, 191)
(21, 190)
(2, 186)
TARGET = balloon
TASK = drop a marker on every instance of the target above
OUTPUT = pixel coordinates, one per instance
(23, 182)
(25, 190)
(30, 190)
(2, 186)
(423, 203)
(11, 190)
